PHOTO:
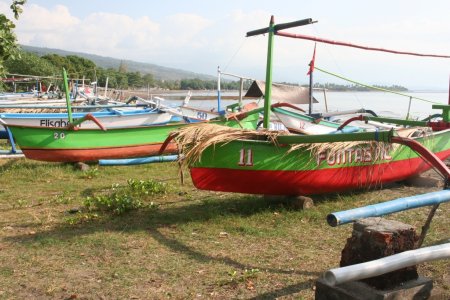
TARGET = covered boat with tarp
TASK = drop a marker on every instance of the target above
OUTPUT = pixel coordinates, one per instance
(280, 92)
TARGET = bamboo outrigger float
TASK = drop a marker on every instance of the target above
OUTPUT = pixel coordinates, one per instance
(411, 254)
(387, 264)
(389, 207)
(287, 164)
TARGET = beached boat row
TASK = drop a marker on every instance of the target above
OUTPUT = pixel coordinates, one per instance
(312, 155)
(316, 156)
(226, 151)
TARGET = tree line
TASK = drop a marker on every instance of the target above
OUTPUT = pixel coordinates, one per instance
(357, 88)
(28, 63)
(51, 65)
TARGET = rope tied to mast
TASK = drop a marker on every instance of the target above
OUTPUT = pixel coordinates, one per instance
(373, 87)
(327, 41)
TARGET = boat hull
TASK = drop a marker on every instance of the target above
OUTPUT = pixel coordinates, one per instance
(62, 145)
(194, 115)
(94, 154)
(254, 167)
(108, 119)
(298, 123)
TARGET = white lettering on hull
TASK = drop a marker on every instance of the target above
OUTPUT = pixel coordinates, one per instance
(358, 155)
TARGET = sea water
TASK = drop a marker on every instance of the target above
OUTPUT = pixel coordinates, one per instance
(418, 106)
(382, 103)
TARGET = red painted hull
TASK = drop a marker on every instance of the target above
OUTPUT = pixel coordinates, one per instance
(308, 182)
(95, 154)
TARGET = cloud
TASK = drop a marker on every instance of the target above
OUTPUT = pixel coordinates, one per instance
(184, 30)
(200, 43)
(46, 28)
(98, 33)
(115, 35)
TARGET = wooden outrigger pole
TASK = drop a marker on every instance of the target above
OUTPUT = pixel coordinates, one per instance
(346, 44)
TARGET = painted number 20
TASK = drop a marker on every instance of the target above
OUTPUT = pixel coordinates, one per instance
(245, 157)
(59, 135)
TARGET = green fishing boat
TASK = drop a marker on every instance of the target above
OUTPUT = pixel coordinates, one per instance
(67, 145)
(276, 163)
(75, 144)
(264, 163)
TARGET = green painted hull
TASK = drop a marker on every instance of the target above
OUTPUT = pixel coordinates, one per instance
(63, 145)
(259, 167)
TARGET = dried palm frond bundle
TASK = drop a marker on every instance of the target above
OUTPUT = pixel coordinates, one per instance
(192, 140)
(34, 110)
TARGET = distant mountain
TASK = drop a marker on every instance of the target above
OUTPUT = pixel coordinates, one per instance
(159, 72)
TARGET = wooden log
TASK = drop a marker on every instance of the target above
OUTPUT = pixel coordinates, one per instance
(295, 202)
(374, 238)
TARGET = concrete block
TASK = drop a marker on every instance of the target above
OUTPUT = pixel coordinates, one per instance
(417, 289)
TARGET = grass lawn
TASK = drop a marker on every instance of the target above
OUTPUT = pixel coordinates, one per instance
(177, 242)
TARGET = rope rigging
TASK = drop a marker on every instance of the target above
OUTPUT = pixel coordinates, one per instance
(321, 40)
(373, 87)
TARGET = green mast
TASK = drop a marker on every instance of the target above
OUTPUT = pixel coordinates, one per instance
(272, 30)
(66, 89)
(268, 91)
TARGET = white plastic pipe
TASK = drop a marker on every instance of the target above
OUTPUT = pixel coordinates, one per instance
(387, 264)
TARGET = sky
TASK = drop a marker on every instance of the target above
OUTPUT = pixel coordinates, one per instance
(199, 36)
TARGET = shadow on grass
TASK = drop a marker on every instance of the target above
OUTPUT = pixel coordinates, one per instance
(439, 242)
(153, 220)
(177, 246)
(23, 164)
(179, 213)
(285, 291)
(166, 215)
(169, 214)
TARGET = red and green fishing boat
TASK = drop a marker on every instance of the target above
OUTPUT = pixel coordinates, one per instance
(256, 166)
(75, 144)
(78, 145)
(276, 163)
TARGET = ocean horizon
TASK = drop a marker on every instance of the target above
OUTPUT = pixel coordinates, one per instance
(383, 103)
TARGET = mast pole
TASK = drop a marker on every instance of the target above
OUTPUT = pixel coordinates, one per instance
(66, 89)
(218, 89)
(310, 73)
(268, 89)
(241, 89)
(310, 93)
(106, 87)
(272, 30)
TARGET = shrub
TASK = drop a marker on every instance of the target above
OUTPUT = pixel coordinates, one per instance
(123, 199)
